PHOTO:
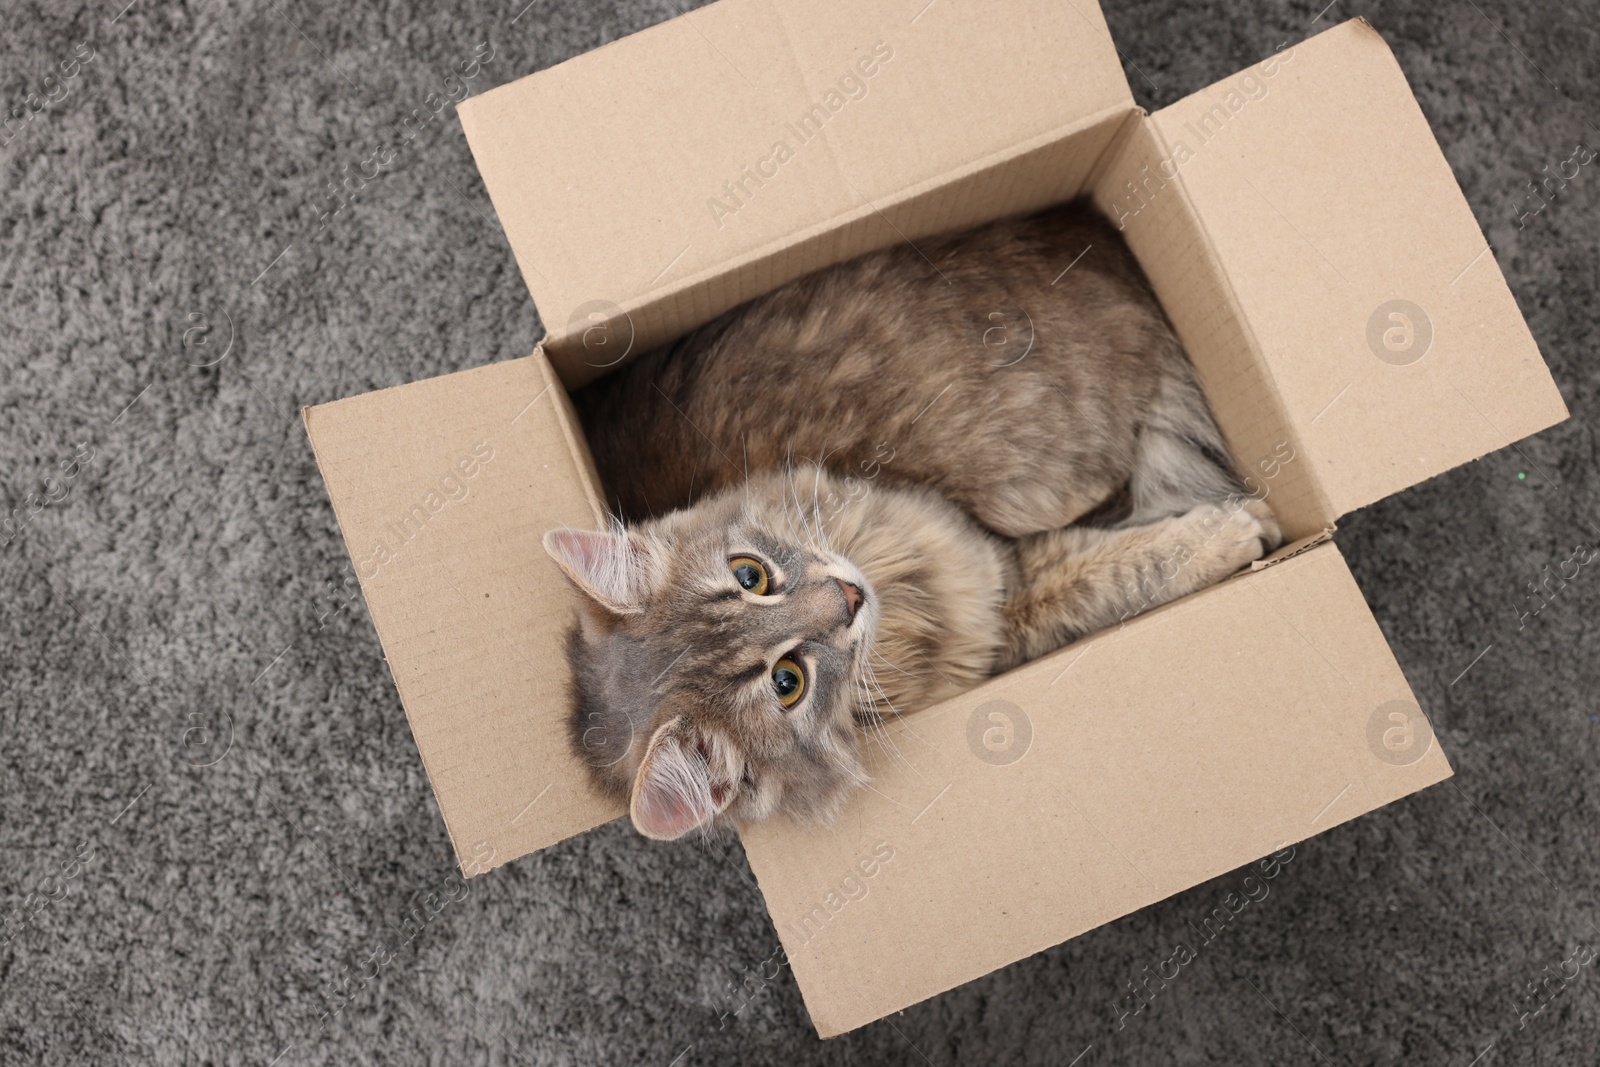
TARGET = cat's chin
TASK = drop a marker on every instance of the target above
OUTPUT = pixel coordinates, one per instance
(818, 813)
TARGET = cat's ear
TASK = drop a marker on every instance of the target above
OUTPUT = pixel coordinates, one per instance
(682, 783)
(609, 568)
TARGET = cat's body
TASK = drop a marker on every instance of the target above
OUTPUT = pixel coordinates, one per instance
(896, 478)
(997, 367)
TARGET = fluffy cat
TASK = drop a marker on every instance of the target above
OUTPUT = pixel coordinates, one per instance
(893, 479)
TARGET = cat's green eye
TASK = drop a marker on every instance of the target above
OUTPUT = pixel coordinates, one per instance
(750, 574)
(788, 681)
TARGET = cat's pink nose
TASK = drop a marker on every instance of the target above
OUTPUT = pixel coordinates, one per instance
(852, 597)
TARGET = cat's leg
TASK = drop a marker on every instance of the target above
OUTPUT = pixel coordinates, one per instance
(1030, 504)
(1077, 580)
(1180, 460)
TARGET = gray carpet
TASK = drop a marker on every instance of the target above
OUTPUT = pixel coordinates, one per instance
(212, 814)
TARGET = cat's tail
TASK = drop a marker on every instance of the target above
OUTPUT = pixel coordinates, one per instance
(1180, 459)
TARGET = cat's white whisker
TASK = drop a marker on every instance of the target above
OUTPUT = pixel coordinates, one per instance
(875, 728)
(887, 742)
(872, 676)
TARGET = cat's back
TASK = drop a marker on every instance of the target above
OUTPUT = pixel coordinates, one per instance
(1007, 367)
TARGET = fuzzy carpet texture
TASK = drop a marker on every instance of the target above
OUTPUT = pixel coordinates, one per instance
(211, 808)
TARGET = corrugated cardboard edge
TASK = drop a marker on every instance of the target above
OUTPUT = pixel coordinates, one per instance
(1290, 551)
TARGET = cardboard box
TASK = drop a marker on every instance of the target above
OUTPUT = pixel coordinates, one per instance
(1308, 241)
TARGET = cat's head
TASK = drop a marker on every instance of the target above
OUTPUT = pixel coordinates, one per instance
(718, 664)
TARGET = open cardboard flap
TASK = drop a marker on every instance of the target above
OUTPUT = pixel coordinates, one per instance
(1328, 278)
(1085, 785)
(697, 106)
(443, 490)
(1395, 350)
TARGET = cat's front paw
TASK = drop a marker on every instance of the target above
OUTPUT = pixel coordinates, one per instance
(1235, 534)
(1269, 532)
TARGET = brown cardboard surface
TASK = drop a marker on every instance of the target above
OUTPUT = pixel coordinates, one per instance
(1325, 198)
(471, 612)
(1194, 740)
(1045, 170)
(604, 169)
(1172, 248)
